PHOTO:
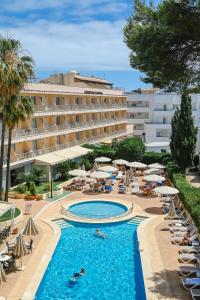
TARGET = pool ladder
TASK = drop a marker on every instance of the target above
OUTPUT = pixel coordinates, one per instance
(62, 223)
(137, 220)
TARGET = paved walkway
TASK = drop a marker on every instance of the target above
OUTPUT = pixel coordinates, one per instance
(163, 255)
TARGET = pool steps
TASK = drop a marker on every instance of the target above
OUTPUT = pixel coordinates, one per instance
(137, 220)
(134, 221)
(62, 223)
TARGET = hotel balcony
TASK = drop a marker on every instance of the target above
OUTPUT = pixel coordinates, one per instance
(30, 155)
(49, 130)
(68, 109)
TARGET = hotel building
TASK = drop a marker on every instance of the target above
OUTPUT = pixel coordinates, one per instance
(69, 110)
(150, 114)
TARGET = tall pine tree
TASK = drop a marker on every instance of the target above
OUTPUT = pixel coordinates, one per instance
(184, 134)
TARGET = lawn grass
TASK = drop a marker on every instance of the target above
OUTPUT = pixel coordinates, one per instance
(7, 216)
(41, 188)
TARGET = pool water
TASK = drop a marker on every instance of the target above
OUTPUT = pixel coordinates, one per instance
(113, 267)
(97, 209)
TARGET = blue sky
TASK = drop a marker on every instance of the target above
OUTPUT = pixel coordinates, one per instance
(82, 35)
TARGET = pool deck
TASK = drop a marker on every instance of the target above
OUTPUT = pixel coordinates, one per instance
(159, 257)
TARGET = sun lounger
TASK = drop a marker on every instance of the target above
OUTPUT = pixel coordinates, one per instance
(182, 233)
(135, 190)
(189, 249)
(189, 257)
(122, 189)
(190, 283)
(184, 222)
(178, 240)
(182, 228)
(195, 293)
(188, 270)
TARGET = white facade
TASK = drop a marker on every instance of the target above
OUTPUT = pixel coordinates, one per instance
(151, 114)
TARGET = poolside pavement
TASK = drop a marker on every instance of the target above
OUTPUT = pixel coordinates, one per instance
(159, 256)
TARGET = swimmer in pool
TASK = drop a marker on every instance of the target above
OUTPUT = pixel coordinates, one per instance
(100, 234)
(81, 273)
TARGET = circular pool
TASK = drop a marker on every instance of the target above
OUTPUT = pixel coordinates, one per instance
(97, 209)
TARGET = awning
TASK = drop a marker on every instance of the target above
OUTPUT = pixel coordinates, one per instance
(62, 155)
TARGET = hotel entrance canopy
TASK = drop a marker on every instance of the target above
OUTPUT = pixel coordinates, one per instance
(62, 155)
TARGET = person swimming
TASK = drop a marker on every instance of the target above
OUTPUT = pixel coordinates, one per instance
(81, 273)
(73, 279)
(100, 234)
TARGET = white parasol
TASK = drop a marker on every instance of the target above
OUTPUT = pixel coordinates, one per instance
(156, 166)
(120, 162)
(166, 190)
(108, 169)
(102, 159)
(154, 178)
(100, 175)
(137, 165)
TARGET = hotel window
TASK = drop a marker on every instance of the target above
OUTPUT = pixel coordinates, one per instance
(58, 120)
(33, 98)
(162, 133)
(34, 145)
(33, 123)
(58, 140)
(58, 101)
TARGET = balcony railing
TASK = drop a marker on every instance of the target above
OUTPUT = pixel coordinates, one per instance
(35, 153)
(22, 134)
(78, 107)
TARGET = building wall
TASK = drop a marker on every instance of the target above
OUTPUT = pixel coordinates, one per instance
(64, 118)
(151, 114)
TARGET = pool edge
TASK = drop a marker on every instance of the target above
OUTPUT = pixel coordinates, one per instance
(145, 256)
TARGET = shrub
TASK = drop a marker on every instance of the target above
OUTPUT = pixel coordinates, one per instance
(47, 187)
(131, 149)
(189, 195)
(21, 189)
(32, 188)
(86, 163)
(156, 157)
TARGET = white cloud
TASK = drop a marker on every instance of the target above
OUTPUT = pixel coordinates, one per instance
(83, 7)
(90, 46)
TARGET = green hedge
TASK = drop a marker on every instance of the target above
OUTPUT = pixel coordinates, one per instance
(155, 157)
(189, 195)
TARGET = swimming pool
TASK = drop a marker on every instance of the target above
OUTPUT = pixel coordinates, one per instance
(113, 267)
(97, 209)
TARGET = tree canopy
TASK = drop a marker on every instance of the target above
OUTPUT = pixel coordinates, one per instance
(183, 138)
(165, 42)
(131, 149)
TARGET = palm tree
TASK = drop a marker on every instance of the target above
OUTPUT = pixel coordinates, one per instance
(18, 109)
(15, 70)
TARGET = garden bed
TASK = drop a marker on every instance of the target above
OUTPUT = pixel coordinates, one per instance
(8, 215)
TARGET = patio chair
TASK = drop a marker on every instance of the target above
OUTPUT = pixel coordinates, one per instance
(190, 283)
(122, 189)
(10, 265)
(189, 257)
(189, 249)
(30, 245)
(187, 271)
(195, 293)
(10, 247)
